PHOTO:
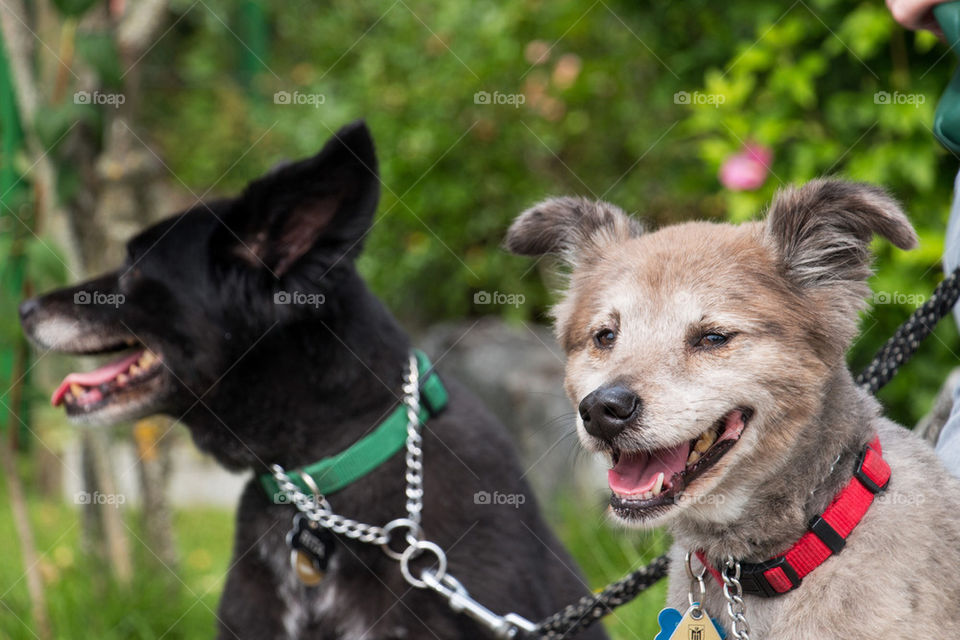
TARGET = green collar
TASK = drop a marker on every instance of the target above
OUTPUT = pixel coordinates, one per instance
(336, 472)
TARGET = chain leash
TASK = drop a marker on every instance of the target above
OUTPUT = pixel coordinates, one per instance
(316, 507)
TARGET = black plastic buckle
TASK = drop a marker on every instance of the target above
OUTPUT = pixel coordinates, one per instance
(862, 476)
(827, 534)
(755, 583)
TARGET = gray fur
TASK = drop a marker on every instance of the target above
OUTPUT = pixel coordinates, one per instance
(568, 227)
(823, 229)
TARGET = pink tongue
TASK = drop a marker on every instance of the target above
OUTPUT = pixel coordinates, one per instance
(637, 472)
(93, 378)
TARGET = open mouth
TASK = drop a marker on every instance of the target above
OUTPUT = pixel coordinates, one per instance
(644, 482)
(122, 386)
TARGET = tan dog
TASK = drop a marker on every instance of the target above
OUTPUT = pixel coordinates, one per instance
(707, 361)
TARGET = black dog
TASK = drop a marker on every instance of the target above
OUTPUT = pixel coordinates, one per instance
(248, 321)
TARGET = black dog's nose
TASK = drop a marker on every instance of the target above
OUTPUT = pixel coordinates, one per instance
(607, 410)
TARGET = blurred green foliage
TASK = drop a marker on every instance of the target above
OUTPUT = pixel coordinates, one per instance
(832, 86)
(599, 118)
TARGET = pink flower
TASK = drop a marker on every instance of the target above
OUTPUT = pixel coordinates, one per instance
(748, 169)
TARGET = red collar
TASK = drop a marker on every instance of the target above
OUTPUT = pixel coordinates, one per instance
(827, 532)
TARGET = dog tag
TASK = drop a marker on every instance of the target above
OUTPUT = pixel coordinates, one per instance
(692, 625)
(310, 549)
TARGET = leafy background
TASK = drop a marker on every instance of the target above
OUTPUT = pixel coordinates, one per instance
(800, 79)
(599, 118)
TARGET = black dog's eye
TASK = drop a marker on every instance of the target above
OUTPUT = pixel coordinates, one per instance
(712, 340)
(605, 338)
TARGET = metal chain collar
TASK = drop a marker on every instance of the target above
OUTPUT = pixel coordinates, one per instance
(318, 509)
(733, 592)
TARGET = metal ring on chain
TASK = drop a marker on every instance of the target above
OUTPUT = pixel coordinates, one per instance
(413, 551)
(318, 497)
(414, 534)
(702, 587)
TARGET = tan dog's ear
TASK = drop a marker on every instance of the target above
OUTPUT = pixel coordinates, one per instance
(568, 227)
(822, 230)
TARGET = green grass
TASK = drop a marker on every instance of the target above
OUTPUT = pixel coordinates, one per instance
(161, 602)
(179, 602)
(607, 554)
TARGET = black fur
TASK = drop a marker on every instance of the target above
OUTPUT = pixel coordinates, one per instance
(260, 383)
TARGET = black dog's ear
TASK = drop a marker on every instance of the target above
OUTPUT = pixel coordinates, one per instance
(569, 227)
(327, 200)
(822, 230)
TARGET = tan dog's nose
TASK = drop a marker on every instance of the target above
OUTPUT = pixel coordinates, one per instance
(608, 410)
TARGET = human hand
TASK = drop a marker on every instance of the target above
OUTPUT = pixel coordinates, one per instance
(915, 14)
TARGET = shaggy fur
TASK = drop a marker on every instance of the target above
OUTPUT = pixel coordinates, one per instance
(258, 382)
(786, 291)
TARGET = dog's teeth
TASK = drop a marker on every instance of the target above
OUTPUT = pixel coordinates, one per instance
(76, 390)
(646, 495)
(134, 369)
(694, 456)
(147, 359)
(658, 485)
(705, 441)
(122, 378)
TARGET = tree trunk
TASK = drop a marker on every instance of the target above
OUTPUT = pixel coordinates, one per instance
(119, 181)
(154, 439)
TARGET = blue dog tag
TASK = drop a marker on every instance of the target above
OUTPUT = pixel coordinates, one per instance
(669, 619)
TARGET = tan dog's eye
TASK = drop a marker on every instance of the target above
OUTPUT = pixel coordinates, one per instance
(708, 340)
(605, 338)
